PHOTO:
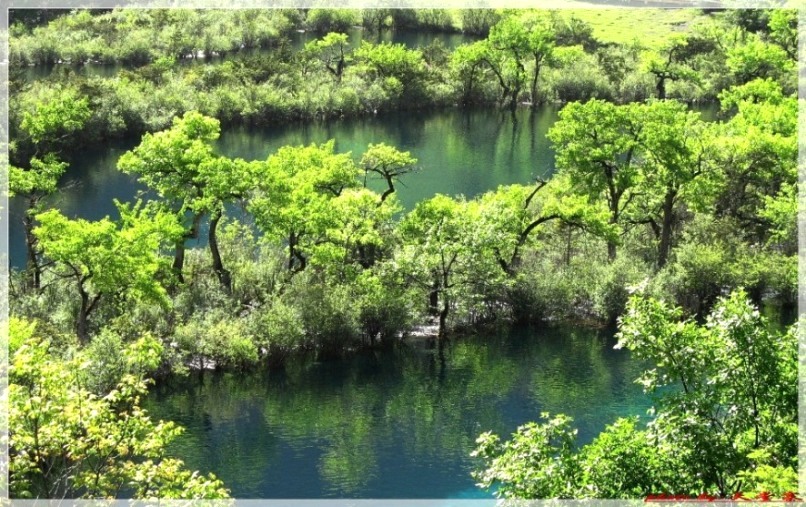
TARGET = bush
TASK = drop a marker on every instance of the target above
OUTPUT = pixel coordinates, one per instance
(331, 20)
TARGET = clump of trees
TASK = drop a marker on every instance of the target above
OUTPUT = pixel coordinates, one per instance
(73, 438)
(526, 56)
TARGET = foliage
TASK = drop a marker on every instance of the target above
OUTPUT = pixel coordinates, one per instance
(726, 414)
(538, 462)
(66, 441)
(105, 259)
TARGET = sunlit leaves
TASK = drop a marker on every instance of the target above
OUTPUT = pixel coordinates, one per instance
(538, 462)
(60, 114)
(68, 442)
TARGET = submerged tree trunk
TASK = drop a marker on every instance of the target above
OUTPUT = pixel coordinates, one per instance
(433, 299)
(443, 318)
(224, 276)
(534, 83)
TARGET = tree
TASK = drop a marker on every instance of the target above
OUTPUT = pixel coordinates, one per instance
(61, 114)
(508, 47)
(676, 147)
(670, 63)
(66, 441)
(34, 184)
(179, 164)
(538, 462)
(516, 213)
(540, 42)
(107, 259)
(757, 153)
(447, 252)
(783, 24)
(387, 162)
(293, 190)
(726, 416)
(331, 50)
(758, 59)
(737, 390)
(467, 63)
(397, 67)
(596, 145)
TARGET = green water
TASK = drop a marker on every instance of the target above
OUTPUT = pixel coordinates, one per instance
(395, 423)
(459, 151)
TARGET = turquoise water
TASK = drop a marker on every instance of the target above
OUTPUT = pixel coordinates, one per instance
(393, 423)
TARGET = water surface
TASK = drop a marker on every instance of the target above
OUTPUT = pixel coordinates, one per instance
(393, 423)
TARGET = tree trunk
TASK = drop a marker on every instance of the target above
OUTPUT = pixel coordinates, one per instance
(179, 254)
(534, 83)
(443, 318)
(433, 299)
(666, 229)
(223, 274)
(179, 260)
(82, 320)
(513, 101)
(34, 271)
(661, 87)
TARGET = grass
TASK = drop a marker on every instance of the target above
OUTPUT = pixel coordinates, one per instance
(649, 26)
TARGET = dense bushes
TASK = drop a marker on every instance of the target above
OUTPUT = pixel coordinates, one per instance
(277, 85)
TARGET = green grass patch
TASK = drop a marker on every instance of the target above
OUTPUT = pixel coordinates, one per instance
(649, 26)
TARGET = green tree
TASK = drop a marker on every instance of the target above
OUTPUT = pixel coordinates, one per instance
(447, 252)
(387, 162)
(53, 119)
(677, 151)
(726, 416)
(508, 49)
(34, 184)
(180, 165)
(597, 147)
(107, 259)
(736, 393)
(294, 188)
(758, 59)
(540, 42)
(332, 51)
(538, 462)
(670, 63)
(66, 441)
(757, 153)
(467, 64)
(783, 25)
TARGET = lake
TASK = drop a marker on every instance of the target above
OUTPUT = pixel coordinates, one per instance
(396, 423)
(460, 152)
